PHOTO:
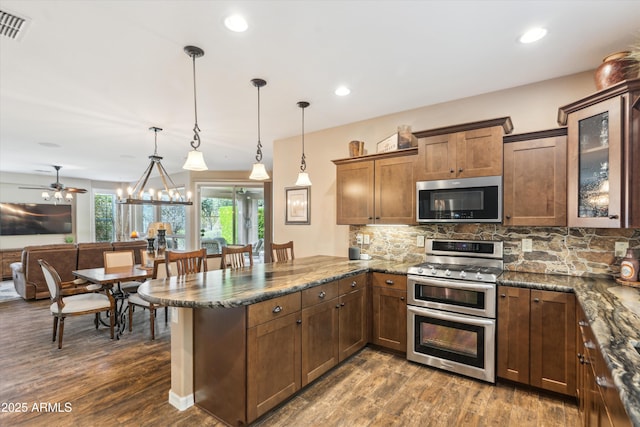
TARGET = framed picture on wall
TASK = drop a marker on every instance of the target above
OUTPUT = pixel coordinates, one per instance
(298, 205)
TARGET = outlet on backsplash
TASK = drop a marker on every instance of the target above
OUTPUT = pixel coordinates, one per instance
(367, 239)
(621, 249)
(359, 238)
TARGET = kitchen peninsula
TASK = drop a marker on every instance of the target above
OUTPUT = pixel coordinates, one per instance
(241, 342)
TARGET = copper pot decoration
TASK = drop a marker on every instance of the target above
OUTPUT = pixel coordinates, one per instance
(615, 68)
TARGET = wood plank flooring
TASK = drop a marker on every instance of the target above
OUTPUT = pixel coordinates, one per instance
(126, 382)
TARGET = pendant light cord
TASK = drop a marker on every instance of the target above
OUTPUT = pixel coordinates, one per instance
(303, 162)
(196, 129)
(259, 152)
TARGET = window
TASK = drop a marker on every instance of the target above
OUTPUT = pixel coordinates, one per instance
(104, 208)
(232, 215)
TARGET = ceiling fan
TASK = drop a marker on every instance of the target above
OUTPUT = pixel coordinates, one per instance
(60, 192)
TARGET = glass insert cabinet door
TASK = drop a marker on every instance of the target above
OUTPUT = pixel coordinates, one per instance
(594, 191)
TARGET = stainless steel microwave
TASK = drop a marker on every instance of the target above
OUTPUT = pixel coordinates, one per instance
(460, 200)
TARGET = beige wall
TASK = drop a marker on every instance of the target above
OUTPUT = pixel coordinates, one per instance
(532, 107)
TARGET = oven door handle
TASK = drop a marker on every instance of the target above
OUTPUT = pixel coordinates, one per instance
(451, 284)
(442, 315)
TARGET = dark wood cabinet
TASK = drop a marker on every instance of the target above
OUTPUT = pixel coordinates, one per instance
(536, 338)
(376, 189)
(389, 321)
(320, 322)
(461, 151)
(599, 403)
(7, 257)
(603, 167)
(352, 315)
(535, 179)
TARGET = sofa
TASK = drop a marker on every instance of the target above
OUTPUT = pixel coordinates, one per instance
(65, 258)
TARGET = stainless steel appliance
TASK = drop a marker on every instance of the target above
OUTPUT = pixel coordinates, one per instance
(451, 307)
(460, 200)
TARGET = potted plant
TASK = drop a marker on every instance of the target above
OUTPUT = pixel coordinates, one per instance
(68, 239)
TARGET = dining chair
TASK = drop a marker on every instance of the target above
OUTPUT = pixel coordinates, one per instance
(180, 263)
(74, 305)
(114, 260)
(234, 256)
(282, 251)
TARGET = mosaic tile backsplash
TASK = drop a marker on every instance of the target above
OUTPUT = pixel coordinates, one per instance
(556, 250)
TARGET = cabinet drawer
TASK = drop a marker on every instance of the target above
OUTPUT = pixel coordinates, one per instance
(349, 284)
(273, 309)
(318, 294)
(391, 281)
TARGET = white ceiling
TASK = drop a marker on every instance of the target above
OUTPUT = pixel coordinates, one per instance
(92, 76)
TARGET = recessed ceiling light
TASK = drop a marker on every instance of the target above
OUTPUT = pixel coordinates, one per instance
(236, 23)
(49, 144)
(342, 91)
(533, 35)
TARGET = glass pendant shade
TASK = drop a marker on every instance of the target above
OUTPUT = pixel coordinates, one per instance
(195, 161)
(259, 172)
(303, 180)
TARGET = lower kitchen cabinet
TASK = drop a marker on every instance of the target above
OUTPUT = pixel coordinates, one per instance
(352, 315)
(599, 403)
(389, 322)
(536, 338)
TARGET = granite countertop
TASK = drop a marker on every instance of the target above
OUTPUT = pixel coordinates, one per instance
(614, 316)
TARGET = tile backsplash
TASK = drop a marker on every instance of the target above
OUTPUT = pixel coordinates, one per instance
(556, 250)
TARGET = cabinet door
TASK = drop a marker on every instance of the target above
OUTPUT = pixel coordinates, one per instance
(395, 191)
(535, 188)
(390, 318)
(354, 193)
(553, 341)
(273, 363)
(319, 339)
(479, 152)
(436, 157)
(594, 188)
(352, 322)
(513, 334)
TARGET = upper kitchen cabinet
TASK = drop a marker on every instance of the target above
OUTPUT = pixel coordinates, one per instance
(376, 189)
(603, 169)
(461, 151)
(535, 179)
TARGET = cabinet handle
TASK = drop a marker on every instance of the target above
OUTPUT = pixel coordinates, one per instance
(341, 304)
(508, 216)
(337, 305)
(503, 295)
(451, 171)
(460, 170)
(389, 282)
(401, 298)
(370, 217)
(322, 294)
(353, 284)
(299, 321)
(536, 300)
(377, 217)
(277, 309)
(614, 216)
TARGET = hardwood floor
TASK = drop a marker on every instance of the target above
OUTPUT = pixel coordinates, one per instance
(99, 381)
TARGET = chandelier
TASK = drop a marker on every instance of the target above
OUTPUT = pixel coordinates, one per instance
(169, 195)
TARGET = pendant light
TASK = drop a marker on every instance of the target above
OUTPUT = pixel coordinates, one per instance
(195, 159)
(258, 172)
(303, 177)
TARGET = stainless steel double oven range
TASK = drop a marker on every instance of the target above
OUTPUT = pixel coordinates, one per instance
(451, 307)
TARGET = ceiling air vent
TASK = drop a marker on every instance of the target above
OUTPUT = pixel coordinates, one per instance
(11, 25)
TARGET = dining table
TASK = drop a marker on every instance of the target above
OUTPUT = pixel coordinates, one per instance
(110, 279)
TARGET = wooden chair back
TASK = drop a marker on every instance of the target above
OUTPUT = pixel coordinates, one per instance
(186, 262)
(234, 256)
(118, 259)
(282, 251)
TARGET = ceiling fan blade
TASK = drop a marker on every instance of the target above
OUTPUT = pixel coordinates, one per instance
(35, 188)
(75, 190)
